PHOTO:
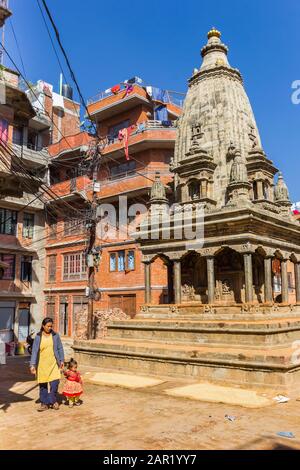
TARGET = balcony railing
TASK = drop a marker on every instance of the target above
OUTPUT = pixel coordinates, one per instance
(174, 97)
(140, 128)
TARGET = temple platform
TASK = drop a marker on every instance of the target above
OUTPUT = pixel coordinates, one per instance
(251, 350)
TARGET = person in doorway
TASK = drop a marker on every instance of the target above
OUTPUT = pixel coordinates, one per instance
(47, 361)
(73, 385)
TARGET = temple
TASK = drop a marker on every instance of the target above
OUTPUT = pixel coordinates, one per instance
(224, 319)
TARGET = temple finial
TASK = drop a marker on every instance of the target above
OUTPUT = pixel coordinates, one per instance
(213, 33)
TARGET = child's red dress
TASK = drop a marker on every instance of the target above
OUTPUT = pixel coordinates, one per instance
(73, 384)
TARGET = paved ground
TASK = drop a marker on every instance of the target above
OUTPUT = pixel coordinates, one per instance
(120, 418)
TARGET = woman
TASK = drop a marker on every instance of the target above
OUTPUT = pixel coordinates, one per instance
(47, 359)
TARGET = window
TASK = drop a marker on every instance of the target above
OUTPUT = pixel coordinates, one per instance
(9, 272)
(123, 169)
(28, 225)
(74, 267)
(112, 262)
(8, 222)
(113, 131)
(123, 260)
(18, 135)
(52, 268)
(26, 268)
(50, 308)
(130, 260)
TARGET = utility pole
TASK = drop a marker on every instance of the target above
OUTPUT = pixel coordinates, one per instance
(92, 255)
(91, 264)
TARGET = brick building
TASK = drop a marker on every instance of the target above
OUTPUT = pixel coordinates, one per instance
(119, 280)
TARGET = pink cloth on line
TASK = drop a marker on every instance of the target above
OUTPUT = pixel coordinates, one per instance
(3, 131)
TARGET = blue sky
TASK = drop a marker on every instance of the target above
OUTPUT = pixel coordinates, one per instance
(160, 41)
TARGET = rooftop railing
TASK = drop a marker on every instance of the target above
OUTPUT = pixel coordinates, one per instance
(174, 96)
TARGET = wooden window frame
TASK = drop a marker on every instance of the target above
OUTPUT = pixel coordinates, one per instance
(2, 255)
(5, 216)
(126, 268)
(52, 275)
(71, 263)
(28, 229)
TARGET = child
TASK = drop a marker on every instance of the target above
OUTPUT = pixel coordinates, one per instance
(73, 384)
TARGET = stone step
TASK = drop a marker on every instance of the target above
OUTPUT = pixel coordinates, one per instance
(276, 357)
(274, 367)
(256, 334)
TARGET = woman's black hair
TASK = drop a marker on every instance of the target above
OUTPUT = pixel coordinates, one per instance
(72, 363)
(45, 321)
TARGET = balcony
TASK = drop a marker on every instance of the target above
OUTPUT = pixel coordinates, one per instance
(72, 189)
(71, 143)
(131, 183)
(149, 134)
(105, 105)
(4, 12)
(34, 157)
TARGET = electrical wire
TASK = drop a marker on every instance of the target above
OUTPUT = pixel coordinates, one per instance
(68, 62)
(54, 48)
(17, 44)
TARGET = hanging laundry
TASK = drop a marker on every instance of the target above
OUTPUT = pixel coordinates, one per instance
(161, 113)
(149, 90)
(3, 131)
(124, 136)
(141, 127)
(159, 95)
(134, 80)
(166, 123)
(115, 89)
(129, 89)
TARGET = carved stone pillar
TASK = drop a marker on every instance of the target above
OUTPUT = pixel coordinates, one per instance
(284, 282)
(297, 281)
(170, 283)
(260, 191)
(177, 281)
(268, 280)
(248, 277)
(147, 266)
(211, 283)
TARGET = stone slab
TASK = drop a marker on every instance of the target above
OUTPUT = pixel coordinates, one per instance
(220, 394)
(122, 380)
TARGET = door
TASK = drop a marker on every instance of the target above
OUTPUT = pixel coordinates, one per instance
(24, 323)
(63, 319)
(7, 320)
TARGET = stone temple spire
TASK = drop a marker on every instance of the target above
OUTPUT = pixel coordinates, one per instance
(217, 104)
(158, 191)
(281, 190)
(215, 52)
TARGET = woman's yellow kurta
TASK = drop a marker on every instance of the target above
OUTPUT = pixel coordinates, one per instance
(47, 367)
